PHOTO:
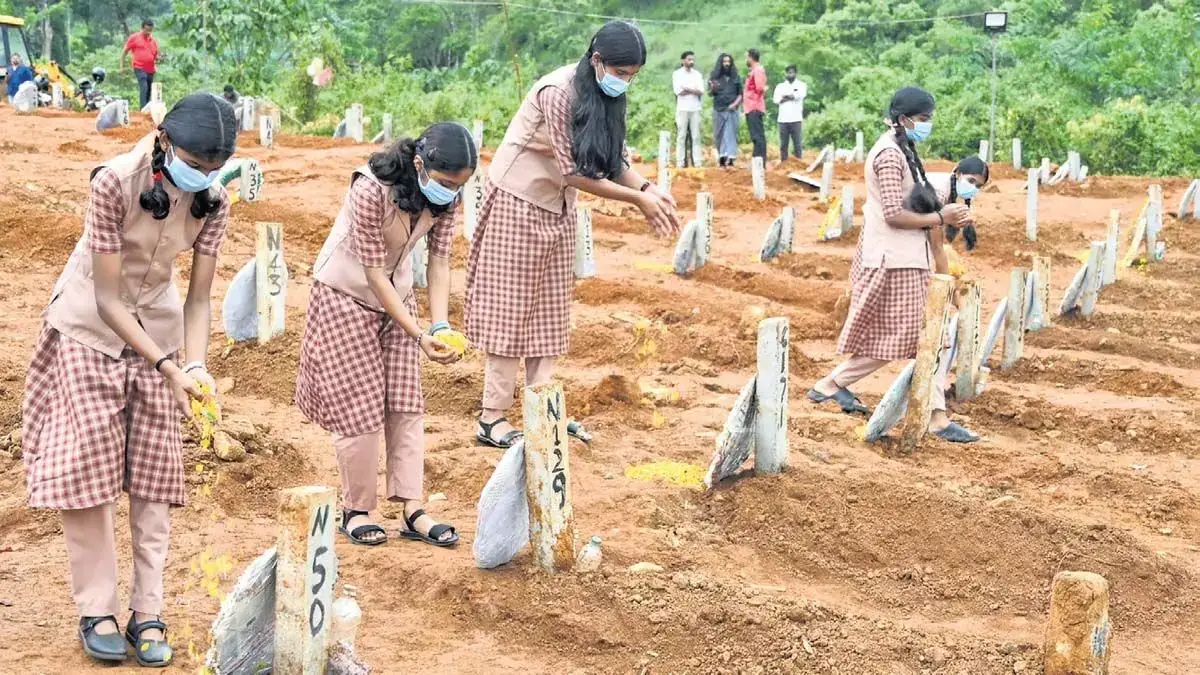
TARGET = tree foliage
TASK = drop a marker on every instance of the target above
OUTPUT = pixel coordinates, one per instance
(1117, 80)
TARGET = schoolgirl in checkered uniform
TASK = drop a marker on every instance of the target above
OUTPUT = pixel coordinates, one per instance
(568, 135)
(360, 375)
(105, 393)
(900, 243)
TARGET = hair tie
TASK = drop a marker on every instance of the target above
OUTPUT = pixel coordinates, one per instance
(157, 176)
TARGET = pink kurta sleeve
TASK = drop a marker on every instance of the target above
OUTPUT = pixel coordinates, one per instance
(367, 243)
(889, 168)
(212, 235)
(105, 219)
(556, 106)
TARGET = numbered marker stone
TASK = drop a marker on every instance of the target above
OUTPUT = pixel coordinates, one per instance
(985, 149)
(476, 133)
(585, 260)
(664, 155)
(123, 112)
(771, 425)
(420, 263)
(1016, 153)
(827, 180)
(1154, 222)
(472, 200)
(56, 95)
(929, 351)
(1014, 320)
(1091, 280)
(250, 182)
(387, 131)
(1044, 173)
(1108, 270)
(858, 146)
(156, 92)
(305, 573)
(271, 280)
(704, 207)
(548, 478)
(969, 346)
(787, 234)
(266, 131)
(354, 123)
(758, 178)
(1039, 299)
(847, 208)
(1078, 631)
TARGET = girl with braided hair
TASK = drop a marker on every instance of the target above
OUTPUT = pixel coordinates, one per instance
(900, 243)
(965, 182)
(105, 394)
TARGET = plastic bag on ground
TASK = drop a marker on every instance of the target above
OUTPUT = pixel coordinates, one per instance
(736, 442)
(773, 243)
(239, 311)
(109, 117)
(892, 406)
(26, 98)
(685, 250)
(502, 524)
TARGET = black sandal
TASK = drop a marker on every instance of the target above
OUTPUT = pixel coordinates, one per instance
(485, 435)
(109, 648)
(410, 532)
(149, 653)
(844, 398)
(357, 535)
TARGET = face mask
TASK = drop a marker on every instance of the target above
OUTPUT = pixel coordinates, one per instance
(966, 189)
(187, 178)
(611, 85)
(919, 132)
(434, 191)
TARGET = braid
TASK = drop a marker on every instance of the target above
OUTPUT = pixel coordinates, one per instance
(954, 187)
(155, 199)
(203, 204)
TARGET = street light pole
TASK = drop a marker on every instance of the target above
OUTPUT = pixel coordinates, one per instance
(995, 84)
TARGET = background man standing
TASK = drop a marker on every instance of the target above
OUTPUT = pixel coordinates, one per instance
(689, 87)
(145, 54)
(789, 96)
(18, 74)
(754, 103)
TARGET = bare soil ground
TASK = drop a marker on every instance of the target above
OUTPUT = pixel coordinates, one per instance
(855, 560)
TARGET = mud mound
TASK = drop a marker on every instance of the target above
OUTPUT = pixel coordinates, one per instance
(630, 221)
(12, 148)
(250, 487)
(33, 225)
(51, 112)
(130, 134)
(78, 148)
(311, 142)
(1003, 241)
(1074, 336)
(1111, 187)
(792, 292)
(307, 229)
(453, 390)
(814, 266)
(1088, 375)
(267, 371)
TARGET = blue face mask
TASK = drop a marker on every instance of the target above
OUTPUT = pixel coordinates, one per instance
(612, 85)
(434, 191)
(966, 189)
(187, 178)
(920, 131)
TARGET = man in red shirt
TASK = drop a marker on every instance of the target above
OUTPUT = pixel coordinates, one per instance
(754, 103)
(145, 53)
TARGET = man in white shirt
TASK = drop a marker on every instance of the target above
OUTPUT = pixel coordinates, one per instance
(789, 96)
(689, 88)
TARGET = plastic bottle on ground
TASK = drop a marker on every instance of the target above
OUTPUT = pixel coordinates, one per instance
(346, 617)
(589, 556)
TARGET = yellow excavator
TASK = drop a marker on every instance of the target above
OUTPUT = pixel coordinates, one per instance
(12, 35)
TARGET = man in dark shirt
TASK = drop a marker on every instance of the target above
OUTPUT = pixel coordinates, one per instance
(726, 89)
(18, 74)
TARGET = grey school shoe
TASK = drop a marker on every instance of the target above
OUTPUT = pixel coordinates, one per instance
(956, 433)
(149, 653)
(109, 648)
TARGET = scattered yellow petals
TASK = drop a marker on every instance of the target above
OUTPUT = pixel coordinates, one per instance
(676, 473)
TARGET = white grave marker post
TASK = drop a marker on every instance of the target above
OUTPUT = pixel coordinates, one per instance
(305, 573)
(1091, 280)
(123, 112)
(1041, 290)
(585, 254)
(758, 178)
(548, 478)
(477, 134)
(156, 92)
(1189, 198)
(771, 421)
(985, 149)
(1154, 222)
(1108, 271)
(704, 234)
(472, 200)
(664, 156)
(270, 276)
(858, 146)
(1045, 172)
(1014, 320)
(354, 123)
(969, 340)
(930, 349)
(1078, 630)
(266, 131)
(250, 181)
(56, 95)
(1076, 165)
(387, 129)
(1031, 206)
(827, 180)
(787, 229)
(1016, 153)
(847, 208)
(249, 113)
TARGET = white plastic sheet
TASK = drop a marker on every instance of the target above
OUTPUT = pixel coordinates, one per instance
(502, 523)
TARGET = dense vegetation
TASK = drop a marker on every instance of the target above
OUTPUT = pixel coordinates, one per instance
(1118, 80)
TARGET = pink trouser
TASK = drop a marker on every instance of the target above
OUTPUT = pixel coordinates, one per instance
(358, 462)
(92, 556)
(500, 378)
(856, 368)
